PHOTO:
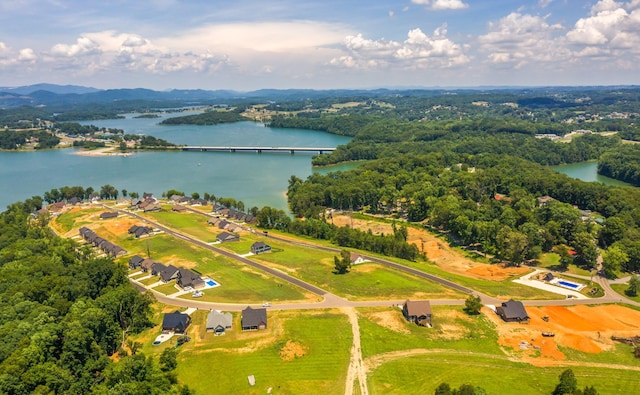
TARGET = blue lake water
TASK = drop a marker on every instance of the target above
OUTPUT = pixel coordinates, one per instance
(256, 179)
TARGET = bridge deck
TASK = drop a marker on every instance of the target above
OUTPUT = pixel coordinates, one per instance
(257, 149)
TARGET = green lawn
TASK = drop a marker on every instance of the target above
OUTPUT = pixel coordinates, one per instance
(68, 221)
(240, 283)
(364, 281)
(621, 288)
(423, 373)
(551, 261)
(460, 349)
(221, 364)
(187, 222)
(452, 329)
(167, 289)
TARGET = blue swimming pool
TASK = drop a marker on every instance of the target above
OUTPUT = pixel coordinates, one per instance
(568, 284)
(211, 283)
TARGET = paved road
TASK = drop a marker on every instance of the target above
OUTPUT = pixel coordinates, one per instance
(329, 300)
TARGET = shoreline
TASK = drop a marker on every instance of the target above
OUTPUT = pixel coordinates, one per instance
(107, 151)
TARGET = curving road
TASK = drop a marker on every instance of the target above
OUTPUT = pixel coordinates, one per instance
(330, 300)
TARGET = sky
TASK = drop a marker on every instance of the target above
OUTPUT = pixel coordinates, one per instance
(253, 44)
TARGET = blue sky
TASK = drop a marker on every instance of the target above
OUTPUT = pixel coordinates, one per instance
(253, 44)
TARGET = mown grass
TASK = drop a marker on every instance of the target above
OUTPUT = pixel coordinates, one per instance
(621, 289)
(240, 283)
(221, 365)
(191, 223)
(69, 220)
(167, 289)
(551, 261)
(363, 281)
(423, 373)
(452, 329)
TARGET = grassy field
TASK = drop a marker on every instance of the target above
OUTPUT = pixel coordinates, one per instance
(423, 373)
(76, 219)
(321, 341)
(621, 288)
(551, 261)
(385, 330)
(406, 358)
(191, 223)
(240, 283)
(364, 281)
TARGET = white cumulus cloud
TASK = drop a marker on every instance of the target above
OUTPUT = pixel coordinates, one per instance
(610, 24)
(418, 51)
(442, 4)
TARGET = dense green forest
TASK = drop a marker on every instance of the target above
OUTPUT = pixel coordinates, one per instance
(622, 164)
(13, 140)
(64, 312)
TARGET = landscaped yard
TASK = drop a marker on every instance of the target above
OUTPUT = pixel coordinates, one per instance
(300, 352)
(621, 288)
(240, 283)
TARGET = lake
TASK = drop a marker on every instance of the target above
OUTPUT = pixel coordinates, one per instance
(256, 179)
(587, 171)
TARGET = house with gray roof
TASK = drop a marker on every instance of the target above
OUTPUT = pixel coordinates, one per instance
(176, 322)
(226, 236)
(254, 319)
(512, 311)
(218, 322)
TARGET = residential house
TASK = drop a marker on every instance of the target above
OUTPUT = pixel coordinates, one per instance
(226, 236)
(152, 207)
(176, 322)
(254, 319)
(218, 322)
(357, 258)
(542, 200)
(56, 207)
(135, 261)
(213, 221)
(512, 311)
(74, 200)
(259, 247)
(147, 264)
(108, 214)
(224, 224)
(188, 278)
(140, 231)
(167, 273)
(178, 208)
(418, 311)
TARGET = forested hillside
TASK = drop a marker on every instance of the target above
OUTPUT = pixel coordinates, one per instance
(64, 315)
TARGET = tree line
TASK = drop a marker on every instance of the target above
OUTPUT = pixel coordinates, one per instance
(65, 313)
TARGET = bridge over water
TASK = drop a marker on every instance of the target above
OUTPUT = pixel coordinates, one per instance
(291, 150)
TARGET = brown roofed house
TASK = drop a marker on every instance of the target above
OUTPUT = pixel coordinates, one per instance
(418, 311)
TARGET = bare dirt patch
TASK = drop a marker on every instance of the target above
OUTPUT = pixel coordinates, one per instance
(437, 251)
(292, 350)
(582, 328)
(389, 320)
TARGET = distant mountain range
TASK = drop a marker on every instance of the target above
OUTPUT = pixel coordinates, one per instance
(55, 96)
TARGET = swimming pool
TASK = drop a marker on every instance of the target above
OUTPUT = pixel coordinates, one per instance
(211, 283)
(568, 284)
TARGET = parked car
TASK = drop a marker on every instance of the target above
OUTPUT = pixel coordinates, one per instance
(196, 294)
(266, 304)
